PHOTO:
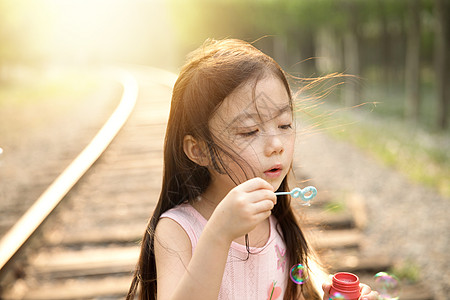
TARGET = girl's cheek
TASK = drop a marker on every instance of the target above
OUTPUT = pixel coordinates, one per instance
(253, 151)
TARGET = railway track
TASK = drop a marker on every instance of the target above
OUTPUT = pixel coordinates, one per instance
(88, 245)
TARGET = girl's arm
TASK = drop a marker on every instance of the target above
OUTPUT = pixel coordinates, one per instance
(182, 275)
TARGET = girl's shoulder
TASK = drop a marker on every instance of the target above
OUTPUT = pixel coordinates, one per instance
(190, 220)
(184, 211)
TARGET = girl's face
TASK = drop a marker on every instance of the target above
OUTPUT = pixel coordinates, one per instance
(255, 122)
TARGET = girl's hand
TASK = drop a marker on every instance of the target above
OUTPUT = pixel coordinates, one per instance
(243, 208)
(366, 292)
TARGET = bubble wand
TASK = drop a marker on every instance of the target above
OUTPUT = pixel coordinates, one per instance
(306, 194)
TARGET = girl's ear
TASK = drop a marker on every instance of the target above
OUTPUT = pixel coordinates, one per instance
(195, 150)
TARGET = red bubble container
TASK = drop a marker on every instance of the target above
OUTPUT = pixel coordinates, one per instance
(346, 284)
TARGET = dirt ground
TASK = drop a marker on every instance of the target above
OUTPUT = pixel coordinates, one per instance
(38, 141)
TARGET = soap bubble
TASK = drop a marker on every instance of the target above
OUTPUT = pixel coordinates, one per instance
(298, 274)
(337, 296)
(306, 203)
(387, 285)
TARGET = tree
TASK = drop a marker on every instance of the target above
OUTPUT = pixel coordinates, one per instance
(412, 64)
(442, 61)
(352, 49)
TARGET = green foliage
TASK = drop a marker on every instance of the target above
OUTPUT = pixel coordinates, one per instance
(407, 270)
(422, 156)
(335, 206)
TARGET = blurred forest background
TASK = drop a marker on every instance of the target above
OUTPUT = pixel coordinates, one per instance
(399, 45)
(397, 50)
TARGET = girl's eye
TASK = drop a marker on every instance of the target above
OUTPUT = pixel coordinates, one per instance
(249, 133)
(286, 126)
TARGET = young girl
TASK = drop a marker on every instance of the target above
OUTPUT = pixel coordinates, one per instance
(218, 230)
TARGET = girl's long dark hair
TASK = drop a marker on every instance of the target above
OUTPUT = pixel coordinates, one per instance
(212, 73)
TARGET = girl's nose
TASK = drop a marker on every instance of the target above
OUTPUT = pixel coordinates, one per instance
(274, 145)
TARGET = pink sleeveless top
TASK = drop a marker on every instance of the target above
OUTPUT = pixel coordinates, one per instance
(262, 275)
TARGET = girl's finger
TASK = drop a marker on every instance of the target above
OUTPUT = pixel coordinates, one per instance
(256, 184)
(262, 216)
(263, 206)
(373, 295)
(367, 293)
(261, 195)
(365, 289)
(326, 289)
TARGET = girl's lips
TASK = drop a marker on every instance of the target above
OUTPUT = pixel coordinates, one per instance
(274, 172)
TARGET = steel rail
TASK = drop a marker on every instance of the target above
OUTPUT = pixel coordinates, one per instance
(23, 229)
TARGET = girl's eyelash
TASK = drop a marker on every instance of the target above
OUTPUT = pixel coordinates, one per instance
(248, 133)
(253, 132)
(286, 126)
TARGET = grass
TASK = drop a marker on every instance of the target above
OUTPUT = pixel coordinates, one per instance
(335, 207)
(406, 270)
(416, 150)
